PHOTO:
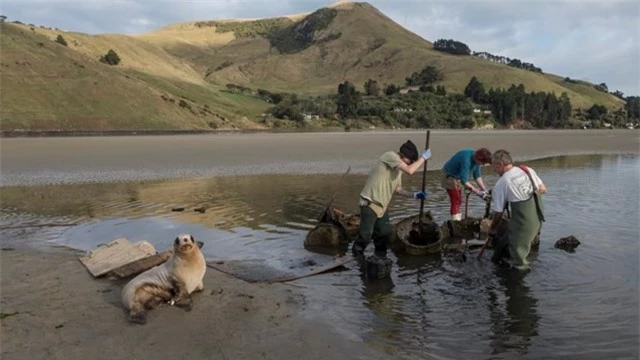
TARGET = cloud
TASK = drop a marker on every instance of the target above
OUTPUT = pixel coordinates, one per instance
(595, 40)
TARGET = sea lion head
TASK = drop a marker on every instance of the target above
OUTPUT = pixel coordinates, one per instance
(185, 243)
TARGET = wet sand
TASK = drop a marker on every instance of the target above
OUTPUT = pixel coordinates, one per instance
(53, 309)
(127, 158)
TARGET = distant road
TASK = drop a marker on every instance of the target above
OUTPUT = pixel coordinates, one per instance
(125, 158)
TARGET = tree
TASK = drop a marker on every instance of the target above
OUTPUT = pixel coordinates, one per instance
(601, 87)
(391, 89)
(371, 88)
(596, 111)
(475, 90)
(110, 58)
(348, 100)
(633, 107)
(3, 18)
(426, 76)
(619, 94)
(440, 90)
(452, 47)
(61, 40)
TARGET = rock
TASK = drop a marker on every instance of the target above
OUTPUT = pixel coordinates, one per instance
(568, 243)
(377, 267)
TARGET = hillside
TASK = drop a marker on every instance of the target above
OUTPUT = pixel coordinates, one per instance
(175, 77)
(357, 44)
(47, 86)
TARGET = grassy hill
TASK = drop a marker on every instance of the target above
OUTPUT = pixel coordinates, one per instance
(174, 77)
(358, 43)
(48, 86)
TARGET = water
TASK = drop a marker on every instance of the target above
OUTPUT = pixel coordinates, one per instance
(581, 305)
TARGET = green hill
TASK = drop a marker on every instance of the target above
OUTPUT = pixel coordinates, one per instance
(49, 86)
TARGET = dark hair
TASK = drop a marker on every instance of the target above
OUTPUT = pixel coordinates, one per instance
(409, 150)
(482, 155)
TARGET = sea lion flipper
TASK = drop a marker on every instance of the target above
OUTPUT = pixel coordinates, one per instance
(182, 298)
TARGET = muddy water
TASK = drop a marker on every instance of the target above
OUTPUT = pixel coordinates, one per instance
(580, 305)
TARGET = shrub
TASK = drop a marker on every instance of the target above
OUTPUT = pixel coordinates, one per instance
(110, 58)
(61, 40)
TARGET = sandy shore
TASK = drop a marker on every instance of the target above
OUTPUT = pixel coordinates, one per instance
(125, 158)
(53, 309)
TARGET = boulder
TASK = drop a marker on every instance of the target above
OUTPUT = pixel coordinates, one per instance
(569, 243)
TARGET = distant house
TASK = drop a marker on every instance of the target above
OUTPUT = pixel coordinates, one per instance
(401, 109)
(409, 88)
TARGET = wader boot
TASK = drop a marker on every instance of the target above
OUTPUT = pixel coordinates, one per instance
(524, 226)
(372, 227)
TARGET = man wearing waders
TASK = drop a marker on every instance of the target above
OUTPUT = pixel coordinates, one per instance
(518, 190)
(385, 180)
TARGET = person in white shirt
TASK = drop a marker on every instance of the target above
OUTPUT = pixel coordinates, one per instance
(518, 189)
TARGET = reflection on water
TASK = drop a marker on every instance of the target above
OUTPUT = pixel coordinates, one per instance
(581, 305)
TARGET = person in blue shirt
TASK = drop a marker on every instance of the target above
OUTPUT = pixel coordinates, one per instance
(458, 172)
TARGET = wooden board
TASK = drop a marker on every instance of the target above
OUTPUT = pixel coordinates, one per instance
(139, 266)
(337, 262)
(259, 270)
(111, 256)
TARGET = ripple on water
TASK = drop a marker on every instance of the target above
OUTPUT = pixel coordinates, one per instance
(579, 305)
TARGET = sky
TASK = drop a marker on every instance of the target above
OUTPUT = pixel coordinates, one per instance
(596, 41)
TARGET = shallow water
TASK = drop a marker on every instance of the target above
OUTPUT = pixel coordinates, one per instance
(571, 305)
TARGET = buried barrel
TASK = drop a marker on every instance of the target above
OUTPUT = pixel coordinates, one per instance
(334, 229)
(408, 238)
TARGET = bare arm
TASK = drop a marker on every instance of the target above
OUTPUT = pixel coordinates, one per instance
(542, 189)
(495, 220)
(474, 189)
(403, 192)
(413, 168)
(481, 184)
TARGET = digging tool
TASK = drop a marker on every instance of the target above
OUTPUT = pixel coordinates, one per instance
(424, 184)
(335, 193)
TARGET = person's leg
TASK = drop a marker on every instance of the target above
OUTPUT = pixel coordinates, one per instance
(381, 232)
(368, 220)
(455, 199)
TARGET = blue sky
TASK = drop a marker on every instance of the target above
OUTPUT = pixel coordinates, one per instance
(597, 41)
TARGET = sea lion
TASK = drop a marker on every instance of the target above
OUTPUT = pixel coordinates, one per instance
(173, 281)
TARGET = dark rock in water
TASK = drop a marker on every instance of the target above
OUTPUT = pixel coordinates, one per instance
(201, 210)
(376, 267)
(568, 243)
(177, 209)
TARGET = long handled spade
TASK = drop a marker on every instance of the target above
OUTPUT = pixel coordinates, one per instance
(424, 184)
(335, 193)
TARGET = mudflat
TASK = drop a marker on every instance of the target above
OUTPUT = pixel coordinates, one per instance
(126, 158)
(51, 307)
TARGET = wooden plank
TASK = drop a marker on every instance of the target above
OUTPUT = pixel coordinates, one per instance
(337, 262)
(281, 270)
(141, 265)
(111, 256)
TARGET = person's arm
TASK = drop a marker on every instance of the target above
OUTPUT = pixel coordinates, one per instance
(481, 184)
(495, 220)
(474, 189)
(416, 165)
(401, 191)
(413, 168)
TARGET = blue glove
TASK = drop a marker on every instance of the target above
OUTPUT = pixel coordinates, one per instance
(426, 154)
(420, 195)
